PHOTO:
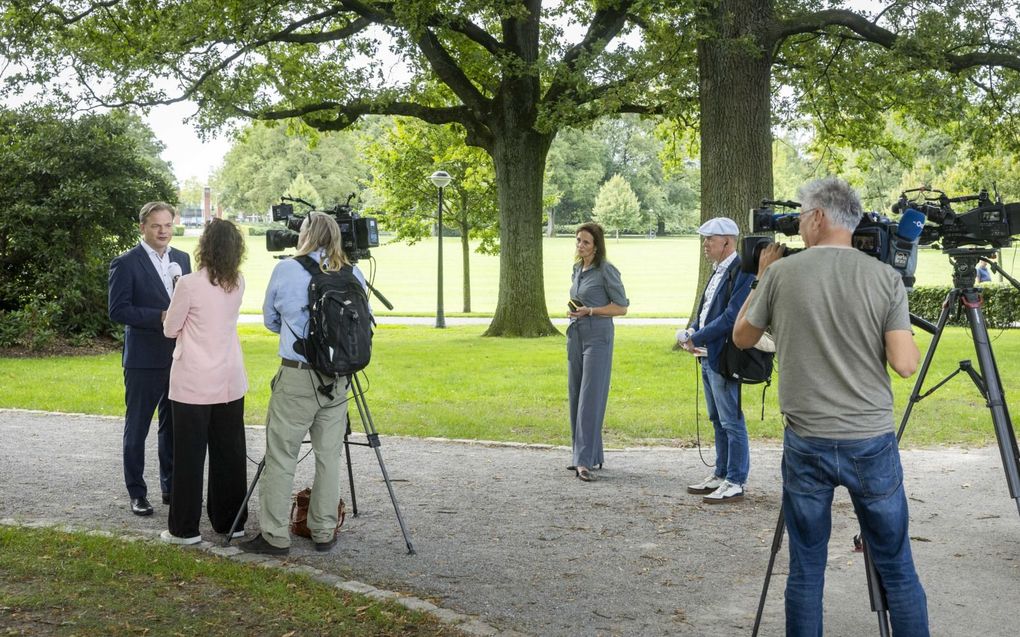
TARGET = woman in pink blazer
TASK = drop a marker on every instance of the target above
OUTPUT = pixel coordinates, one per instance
(207, 387)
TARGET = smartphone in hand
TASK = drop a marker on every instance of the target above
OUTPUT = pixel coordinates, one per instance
(573, 304)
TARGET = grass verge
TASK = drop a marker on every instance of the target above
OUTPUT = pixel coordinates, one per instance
(56, 583)
(453, 383)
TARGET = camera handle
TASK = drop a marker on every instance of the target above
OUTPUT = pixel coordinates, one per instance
(382, 299)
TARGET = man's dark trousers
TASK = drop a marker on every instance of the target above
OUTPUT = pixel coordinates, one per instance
(137, 298)
(146, 392)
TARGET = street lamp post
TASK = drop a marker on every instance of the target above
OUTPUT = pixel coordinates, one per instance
(440, 179)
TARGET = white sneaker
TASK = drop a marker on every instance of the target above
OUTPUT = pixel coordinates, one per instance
(727, 492)
(708, 485)
(170, 538)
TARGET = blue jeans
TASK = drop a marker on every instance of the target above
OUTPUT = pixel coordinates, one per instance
(732, 451)
(870, 470)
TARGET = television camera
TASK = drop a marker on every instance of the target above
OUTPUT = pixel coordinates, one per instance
(876, 235)
(991, 224)
(357, 233)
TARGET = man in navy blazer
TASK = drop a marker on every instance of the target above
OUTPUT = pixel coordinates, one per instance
(717, 312)
(141, 282)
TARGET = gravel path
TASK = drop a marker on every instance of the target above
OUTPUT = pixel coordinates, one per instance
(505, 533)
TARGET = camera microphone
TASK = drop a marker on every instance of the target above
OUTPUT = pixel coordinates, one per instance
(910, 225)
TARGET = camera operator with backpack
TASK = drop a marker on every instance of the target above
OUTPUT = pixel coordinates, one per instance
(305, 399)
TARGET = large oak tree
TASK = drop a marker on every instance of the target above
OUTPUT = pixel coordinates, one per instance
(513, 72)
(509, 72)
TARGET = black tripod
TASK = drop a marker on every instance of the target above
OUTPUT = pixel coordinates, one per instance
(372, 441)
(964, 296)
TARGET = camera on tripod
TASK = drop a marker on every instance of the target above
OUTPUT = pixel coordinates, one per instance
(357, 233)
(990, 224)
(891, 242)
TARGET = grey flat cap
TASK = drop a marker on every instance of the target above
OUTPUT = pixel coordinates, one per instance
(719, 225)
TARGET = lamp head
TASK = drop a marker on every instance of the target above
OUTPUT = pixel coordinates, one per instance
(440, 178)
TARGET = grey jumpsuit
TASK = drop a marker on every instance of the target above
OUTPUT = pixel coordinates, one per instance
(590, 359)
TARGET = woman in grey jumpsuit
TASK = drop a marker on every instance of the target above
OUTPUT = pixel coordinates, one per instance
(597, 296)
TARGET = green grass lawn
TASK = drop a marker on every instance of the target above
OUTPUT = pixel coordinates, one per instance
(454, 383)
(56, 583)
(660, 274)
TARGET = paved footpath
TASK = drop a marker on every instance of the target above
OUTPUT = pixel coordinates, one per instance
(509, 542)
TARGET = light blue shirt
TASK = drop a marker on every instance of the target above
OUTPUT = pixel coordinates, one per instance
(285, 310)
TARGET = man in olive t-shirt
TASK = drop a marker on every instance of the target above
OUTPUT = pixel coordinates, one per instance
(838, 317)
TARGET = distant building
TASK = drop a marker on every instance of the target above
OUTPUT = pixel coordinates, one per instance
(191, 216)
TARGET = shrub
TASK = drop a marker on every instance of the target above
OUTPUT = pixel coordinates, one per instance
(33, 326)
(72, 189)
(1001, 306)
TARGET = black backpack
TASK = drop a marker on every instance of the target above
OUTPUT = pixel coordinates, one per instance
(748, 366)
(339, 341)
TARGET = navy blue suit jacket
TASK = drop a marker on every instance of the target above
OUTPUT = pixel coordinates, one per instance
(722, 314)
(137, 299)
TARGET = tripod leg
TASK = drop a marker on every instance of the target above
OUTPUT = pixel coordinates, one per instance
(350, 470)
(915, 395)
(247, 497)
(373, 440)
(875, 592)
(777, 542)
(1004, 432)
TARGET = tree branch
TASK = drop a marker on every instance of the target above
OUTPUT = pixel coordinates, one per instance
(871, 32)
(812, 22)
(355, 27)
(472, 31)
(606, 24)
(67, 21)
(450, 74)
(348, 114)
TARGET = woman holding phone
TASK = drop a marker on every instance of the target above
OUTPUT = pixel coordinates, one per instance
(596, 296)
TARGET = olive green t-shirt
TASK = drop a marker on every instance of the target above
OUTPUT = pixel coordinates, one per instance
(829, 309)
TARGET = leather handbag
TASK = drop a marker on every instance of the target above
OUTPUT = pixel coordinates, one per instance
(299, 513)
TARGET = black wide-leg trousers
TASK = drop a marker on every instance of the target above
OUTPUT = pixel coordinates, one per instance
(220, 429)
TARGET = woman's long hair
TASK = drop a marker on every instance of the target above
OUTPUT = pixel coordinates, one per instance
(320, 231)
(598, 235)
(220, 251)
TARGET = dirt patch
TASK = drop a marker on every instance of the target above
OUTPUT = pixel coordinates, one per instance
(64, 347)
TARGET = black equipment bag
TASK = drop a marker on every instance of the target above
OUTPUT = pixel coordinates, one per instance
(339, 341)
(748, 366)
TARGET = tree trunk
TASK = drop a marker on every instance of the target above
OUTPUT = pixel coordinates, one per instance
(550, 229)
(519, 157)
(734, 97)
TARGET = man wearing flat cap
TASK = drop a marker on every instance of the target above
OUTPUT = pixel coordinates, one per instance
(713, 322)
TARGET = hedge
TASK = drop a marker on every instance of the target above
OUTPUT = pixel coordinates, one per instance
(1001, 305)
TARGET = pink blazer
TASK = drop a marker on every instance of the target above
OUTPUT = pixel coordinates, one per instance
(208, 367)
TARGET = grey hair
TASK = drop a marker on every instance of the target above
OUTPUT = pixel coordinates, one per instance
(835, 196)
(155, 206)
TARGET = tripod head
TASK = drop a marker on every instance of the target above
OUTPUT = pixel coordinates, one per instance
(965, 262)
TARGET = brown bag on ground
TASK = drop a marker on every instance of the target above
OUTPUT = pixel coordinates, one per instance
(299, 513)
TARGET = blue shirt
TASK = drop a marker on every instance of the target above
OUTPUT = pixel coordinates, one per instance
(285, 310)
(598, 285)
